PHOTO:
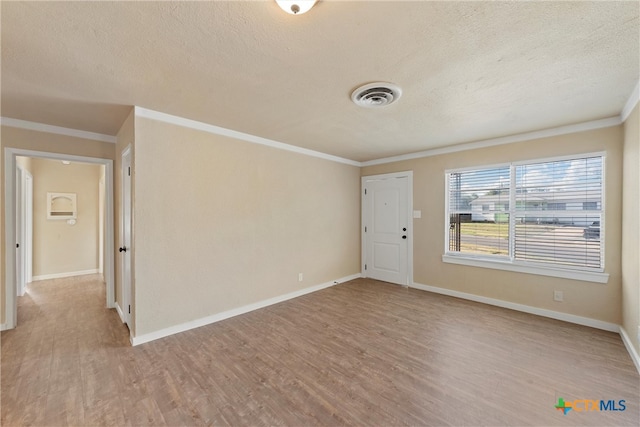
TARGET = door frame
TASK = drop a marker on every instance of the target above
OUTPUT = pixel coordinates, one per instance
(364, 212)
(10, 154)
(28, 215)
(20, 232)
(126, 282)
(24, 228)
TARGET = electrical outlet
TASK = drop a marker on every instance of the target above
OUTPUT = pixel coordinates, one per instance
(300, 277)
(558, 296)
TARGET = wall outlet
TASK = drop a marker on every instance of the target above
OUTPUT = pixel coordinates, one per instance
(300, 277)
(558, 296)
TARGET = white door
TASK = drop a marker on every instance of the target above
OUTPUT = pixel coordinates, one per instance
(387, 227)
(20, 232)
(28, 224)
(125, 248)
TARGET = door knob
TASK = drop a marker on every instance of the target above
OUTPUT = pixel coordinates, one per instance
(123, 249)
(404, 237)
(404, 229)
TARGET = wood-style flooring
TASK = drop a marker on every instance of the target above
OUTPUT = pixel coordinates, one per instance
(360, 353)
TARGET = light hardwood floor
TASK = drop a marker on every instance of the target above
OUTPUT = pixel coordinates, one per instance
(360, 353)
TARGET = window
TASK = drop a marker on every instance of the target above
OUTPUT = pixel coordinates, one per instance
(542, 213)
(556, 206)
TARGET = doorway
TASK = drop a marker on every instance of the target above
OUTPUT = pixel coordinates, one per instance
(125, 238)
(387, 227)
(12, 222)
(24, 229)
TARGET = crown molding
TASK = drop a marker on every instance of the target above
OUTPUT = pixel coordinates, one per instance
(217, 130)
(631, 102)
(58, 130)
(545, 133)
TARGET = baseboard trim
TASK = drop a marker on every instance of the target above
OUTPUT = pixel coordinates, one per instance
(120, 313)
(3, 327)
(571, 318)
(630, 348)
(62, 275)
(141, 339)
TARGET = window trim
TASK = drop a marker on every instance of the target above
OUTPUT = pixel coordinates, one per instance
(509, 263)
(523, 267)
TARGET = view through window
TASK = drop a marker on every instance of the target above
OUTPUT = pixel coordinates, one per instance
(542, 212)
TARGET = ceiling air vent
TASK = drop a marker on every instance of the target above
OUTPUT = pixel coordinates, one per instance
(377, 94)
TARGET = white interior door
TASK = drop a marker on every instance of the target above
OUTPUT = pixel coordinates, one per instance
(125, 248)
(387, 227)
(20, 232)
(101, 221)
(28, 227)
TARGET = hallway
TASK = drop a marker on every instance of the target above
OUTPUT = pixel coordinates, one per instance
(64, 348)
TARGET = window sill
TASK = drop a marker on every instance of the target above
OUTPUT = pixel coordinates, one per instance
(586, 276)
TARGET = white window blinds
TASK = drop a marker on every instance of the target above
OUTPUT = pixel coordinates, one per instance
(479, 211)
(558, 212)
(547, 212)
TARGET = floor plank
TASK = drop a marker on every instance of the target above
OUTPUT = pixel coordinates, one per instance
(360, 353)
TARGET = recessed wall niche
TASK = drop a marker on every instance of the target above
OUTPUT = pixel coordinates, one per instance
(61, 206)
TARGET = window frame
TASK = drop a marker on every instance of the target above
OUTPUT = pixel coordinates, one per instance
(510, 263)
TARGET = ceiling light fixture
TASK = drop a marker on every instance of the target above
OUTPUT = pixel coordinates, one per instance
(296, 7)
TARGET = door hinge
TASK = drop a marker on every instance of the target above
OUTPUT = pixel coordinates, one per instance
(365, 228)
(365, 266)
(129, 308)
(17, 245)
(365, 191)
(129, 171)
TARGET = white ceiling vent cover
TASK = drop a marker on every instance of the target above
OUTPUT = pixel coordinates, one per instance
(377, 94)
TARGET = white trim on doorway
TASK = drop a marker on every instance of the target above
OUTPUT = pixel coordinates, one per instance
(10, 155)
(126, 227)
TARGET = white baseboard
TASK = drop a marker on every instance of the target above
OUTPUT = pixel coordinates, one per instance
(141, 339)
(61, 275)
(571, 318)
(120, 313)
(630, 348)
(3, 327)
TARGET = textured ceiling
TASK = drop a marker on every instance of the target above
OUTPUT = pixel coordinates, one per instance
(469, 70)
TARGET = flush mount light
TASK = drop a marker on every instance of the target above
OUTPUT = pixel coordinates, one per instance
(296, 7)
(66, 162)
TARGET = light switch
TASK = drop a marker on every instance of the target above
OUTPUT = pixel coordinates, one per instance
(417, 214)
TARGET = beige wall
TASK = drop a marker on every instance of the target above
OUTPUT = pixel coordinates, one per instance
(252, 218)
(24, 163)
(57, 246)
(221, 223)
(631, 234)
(592, 300)
(45, 142)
